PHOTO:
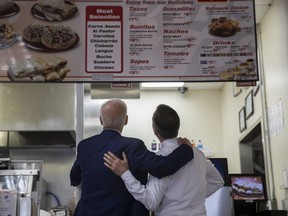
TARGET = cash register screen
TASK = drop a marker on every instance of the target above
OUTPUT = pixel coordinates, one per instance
(248, 187)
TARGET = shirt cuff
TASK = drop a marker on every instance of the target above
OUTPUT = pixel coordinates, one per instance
(129, 180)
(126, 175)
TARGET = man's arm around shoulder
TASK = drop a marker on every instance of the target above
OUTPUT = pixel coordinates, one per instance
(162, 166)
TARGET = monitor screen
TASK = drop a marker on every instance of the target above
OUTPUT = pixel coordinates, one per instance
(248, 187)
(221, 165)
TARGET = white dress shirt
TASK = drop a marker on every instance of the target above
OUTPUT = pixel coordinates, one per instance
(181, 194)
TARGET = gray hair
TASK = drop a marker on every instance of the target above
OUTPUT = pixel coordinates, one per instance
(113, 114)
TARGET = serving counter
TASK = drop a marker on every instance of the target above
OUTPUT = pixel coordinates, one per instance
(20, 188)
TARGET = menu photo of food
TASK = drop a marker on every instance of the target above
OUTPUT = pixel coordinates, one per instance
(54, 10)
(8, 8)
(7, 35)
(223, 27)
(240, 71)
(51, 38)
(46, 68)
(247, 187)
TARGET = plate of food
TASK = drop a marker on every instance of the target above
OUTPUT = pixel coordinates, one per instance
(230, 74)
(223, 27)
(50, 38)
(7, 36)
(8, 8)
(48, 68)
(54, 10)
(248, 190)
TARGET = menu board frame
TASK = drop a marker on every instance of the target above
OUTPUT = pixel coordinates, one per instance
(129, 41)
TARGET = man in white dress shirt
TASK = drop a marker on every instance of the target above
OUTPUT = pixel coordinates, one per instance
(181, 194)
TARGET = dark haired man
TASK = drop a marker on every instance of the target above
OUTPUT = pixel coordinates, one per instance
(181, 194)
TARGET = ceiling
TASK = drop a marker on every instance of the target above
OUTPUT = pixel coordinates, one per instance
(261, 7)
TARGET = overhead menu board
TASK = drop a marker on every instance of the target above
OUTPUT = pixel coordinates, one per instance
(127, 40)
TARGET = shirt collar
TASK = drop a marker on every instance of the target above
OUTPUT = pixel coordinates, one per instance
(170, 142)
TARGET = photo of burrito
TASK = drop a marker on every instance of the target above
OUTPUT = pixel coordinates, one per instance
(49, 68)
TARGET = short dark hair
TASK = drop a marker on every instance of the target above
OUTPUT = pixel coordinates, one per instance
(166, 121)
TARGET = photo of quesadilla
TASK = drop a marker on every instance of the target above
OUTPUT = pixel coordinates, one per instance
(41, 68)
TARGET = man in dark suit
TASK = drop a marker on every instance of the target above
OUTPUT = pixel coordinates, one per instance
(102, 192)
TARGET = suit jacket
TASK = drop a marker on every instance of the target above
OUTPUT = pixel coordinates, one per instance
(102, 192)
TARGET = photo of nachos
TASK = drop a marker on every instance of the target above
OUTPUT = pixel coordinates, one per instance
(49, 68)
(7, 35)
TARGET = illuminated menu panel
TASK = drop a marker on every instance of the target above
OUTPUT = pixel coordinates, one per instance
(131, 41)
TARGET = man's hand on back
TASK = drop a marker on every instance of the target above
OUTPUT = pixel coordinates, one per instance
(116, 165)
(184, 140)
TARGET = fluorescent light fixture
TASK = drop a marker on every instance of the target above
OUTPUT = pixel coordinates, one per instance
(162, 84)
